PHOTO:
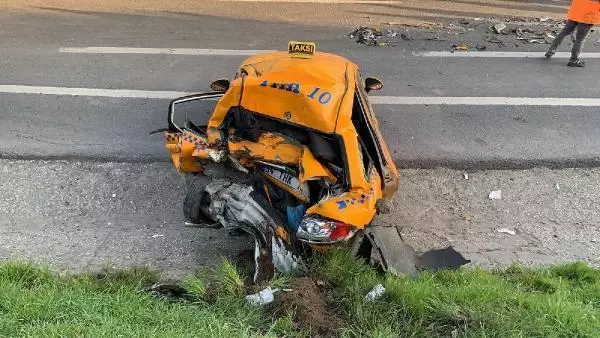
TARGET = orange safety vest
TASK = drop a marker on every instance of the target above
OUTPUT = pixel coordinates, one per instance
(585, 11)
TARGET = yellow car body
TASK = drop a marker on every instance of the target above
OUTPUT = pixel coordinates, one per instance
(301, 122)
(323, 93)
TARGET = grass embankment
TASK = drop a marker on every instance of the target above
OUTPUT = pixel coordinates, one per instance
(560, 301)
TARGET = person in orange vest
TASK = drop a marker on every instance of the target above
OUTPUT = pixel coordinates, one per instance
(582, 16)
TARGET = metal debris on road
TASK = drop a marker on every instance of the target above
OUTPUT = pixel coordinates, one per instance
(532, 36)
(460, 48)
(375, 293)
(372, 36)
(499, 28)
(434, 38)
(506, 231)
(495, 195)
(406, 37)
(496, 41)
(263, 297)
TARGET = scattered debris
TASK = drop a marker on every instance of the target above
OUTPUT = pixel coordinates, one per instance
(113, 195)
(557, 186)
(263, 297)
(544, 19)
(495, 195)
(499, 28)
(506, 231)
(165, 290)
(372, 36)
(434, 38)
(406, 37)
(518, 31)
(496, 41)
(157, 235)
(384, 206)
(460, 48)
(375, 293)
(467, 218)
(466, 176)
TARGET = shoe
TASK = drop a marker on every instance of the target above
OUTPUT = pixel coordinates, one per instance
(576, 63)
(549, 54)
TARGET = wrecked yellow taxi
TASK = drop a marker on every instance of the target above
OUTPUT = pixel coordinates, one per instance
(292, 154)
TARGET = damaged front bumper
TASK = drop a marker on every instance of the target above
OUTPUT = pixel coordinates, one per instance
(226, 197)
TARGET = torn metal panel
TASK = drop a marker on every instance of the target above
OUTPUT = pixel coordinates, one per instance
(269, 147)
(311, 169)
(391, 252)
(284, 260)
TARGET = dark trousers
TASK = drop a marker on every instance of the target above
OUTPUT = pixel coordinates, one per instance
(583, 30)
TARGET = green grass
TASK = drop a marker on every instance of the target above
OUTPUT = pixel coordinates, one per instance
(35, 303)
(559, 301)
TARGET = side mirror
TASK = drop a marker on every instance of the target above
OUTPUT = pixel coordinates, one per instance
(372, 83)
(221, 85)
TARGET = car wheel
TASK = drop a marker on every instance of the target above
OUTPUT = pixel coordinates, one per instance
(195, 199)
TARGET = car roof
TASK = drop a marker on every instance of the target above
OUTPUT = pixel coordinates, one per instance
(313, 92)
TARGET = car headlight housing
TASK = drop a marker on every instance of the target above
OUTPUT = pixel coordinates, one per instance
(316, 229)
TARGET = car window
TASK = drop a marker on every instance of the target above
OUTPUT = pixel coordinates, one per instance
(360, 111)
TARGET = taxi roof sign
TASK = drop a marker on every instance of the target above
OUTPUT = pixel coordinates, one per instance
(302, 50)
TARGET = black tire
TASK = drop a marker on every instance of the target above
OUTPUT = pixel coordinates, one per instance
(195, 196)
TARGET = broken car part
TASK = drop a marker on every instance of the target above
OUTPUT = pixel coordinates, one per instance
(292, 154)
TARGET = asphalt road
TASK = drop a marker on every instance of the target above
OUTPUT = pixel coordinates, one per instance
(55, 126)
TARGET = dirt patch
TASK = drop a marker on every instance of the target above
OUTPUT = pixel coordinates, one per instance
(309, 305)
(327, 13)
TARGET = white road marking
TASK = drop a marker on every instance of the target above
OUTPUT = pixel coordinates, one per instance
(171, 51)
(119, 93)
(486, 101)
(250, 52)
(457, 54)
(379, 100)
